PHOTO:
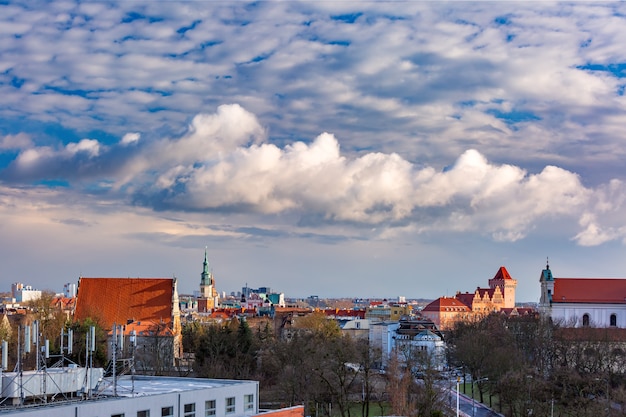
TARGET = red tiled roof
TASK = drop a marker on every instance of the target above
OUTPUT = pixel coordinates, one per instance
(441, 303)
(467, 298)
(119, 300)
(502, 274)
(345, 313)
(518, 311)
(483, 291)
(63, 302)
(589, 290)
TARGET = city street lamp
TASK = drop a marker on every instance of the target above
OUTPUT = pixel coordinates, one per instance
(474, 399)
(458, 379)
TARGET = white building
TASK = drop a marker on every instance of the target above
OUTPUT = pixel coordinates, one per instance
(417, 341)
(576, 302)
(148, 396)
(69, 290)
(381, 336)
(24, 293)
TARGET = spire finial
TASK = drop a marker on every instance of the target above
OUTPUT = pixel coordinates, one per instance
(547, 263)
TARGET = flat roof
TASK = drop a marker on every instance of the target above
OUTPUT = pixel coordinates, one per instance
(152, 385)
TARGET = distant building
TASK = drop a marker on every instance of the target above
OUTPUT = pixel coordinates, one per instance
(420, 343)
(209, 297)
(24, 293)
(381, 337)
(416, 341)
(445, 311)
(250, 297)
(500, 296)
(386, 311)
(69, 290)
(351, 321)
(578, 302)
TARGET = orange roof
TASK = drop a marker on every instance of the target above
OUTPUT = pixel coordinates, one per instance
(63, 302)
(119, 300)
(467, 298)
(502, 274)
(589, 290)
(345, 313)
(441, 303)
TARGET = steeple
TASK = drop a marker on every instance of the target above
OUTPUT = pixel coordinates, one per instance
(547, 289)
(546, 274)
(205, 277)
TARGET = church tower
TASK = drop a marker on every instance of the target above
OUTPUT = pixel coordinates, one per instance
(206, 278)
(547, 290)
(209, 298)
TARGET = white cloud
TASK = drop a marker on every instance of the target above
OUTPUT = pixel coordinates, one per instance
(19, 141)
(522, 104)
(130, 138)
(89, 146)
(224, 162)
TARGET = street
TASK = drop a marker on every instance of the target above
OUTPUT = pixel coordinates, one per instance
(468, 408)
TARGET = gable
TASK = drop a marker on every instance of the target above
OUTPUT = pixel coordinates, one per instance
(122, 300)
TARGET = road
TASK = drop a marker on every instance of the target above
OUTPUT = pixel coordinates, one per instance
(469, 408)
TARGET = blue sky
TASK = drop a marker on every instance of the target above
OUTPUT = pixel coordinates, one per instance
(367, 149)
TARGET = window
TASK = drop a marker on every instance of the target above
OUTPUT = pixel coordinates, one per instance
(117, 415)
(585, 319)
(190, 410)
(248, 400)
(613, 320)
(167, 412)
(230, 405)
(144, 413)
(209, 408)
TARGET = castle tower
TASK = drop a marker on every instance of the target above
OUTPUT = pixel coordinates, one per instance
(507, 285)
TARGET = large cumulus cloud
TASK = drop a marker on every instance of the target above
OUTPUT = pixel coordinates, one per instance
(225, 163)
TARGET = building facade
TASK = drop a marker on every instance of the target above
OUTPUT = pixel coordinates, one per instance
(499, 296)
(143, 396)
(578, 302)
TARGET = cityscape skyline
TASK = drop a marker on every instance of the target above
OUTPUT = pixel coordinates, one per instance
(353, 149)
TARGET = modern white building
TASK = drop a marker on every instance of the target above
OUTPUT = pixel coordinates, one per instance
(381, 336)
(69, 290)
(150, 396)
(24, 293)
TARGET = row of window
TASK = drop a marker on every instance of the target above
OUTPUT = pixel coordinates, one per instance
(612, 320)
(210, 409)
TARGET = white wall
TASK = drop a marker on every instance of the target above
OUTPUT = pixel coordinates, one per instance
(129, 406)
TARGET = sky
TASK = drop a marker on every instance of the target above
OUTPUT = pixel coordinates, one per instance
(340, 149)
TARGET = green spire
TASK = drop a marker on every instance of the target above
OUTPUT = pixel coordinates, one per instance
(546, 274)
(205, 277)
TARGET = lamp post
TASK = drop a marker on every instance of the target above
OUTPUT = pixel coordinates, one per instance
(473, 399)
(458, 379)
